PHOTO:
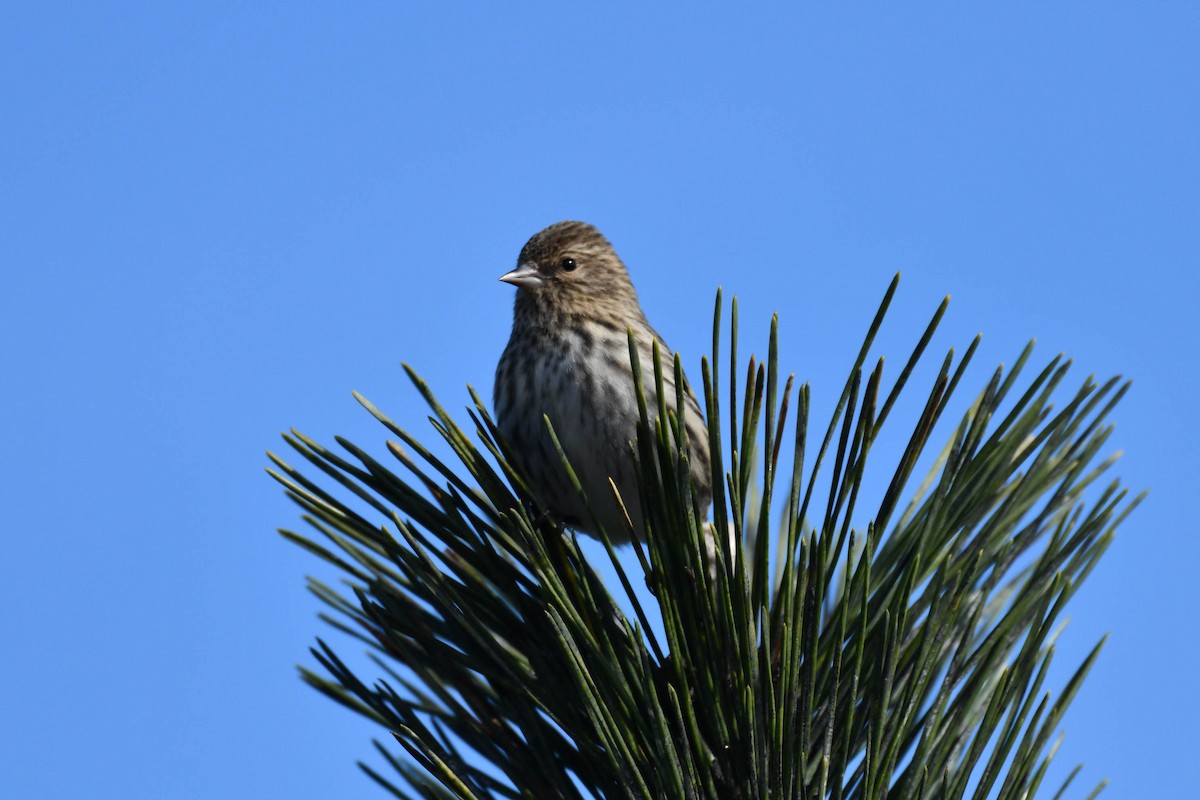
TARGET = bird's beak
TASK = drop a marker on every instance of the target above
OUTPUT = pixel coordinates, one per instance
(525, 276)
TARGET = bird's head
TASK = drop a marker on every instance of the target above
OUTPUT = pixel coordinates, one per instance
(571, 268)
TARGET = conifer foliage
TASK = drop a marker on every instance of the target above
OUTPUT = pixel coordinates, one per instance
(847, 646)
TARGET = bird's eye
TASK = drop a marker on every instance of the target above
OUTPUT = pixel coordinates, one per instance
(568, 264)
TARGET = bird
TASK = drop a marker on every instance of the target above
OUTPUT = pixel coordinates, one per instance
(568, 358)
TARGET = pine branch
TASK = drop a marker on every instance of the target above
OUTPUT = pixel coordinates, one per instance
(903, 655)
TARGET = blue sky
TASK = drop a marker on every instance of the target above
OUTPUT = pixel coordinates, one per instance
(219, 219)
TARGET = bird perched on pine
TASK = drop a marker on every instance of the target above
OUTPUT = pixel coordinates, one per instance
(568, 358)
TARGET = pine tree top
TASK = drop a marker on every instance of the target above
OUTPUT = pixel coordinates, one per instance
(846, 646)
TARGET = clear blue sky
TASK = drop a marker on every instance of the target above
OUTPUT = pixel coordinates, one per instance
(216, 220)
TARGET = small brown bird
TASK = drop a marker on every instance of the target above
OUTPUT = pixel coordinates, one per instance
(568, 358)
